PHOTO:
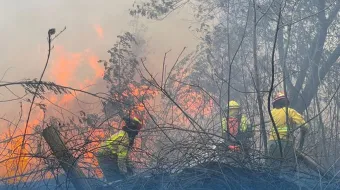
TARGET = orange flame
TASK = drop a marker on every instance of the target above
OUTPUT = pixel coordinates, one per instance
(67, 66)
(14, 156)
(93, 61)
(64, 70)
(99, 31)
(14, 164)
(192, 102)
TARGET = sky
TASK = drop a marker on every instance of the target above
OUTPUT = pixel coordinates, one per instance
(91, 30)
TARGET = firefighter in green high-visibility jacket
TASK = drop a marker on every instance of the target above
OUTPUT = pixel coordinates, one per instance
(113, 153)
(238, 131)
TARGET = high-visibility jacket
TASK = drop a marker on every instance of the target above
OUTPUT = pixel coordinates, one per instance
(117, 144)
(235, 124)
(280, 116)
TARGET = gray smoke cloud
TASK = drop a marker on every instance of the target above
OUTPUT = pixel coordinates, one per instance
(92, 27)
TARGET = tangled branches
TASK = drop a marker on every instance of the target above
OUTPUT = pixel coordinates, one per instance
(31, 85)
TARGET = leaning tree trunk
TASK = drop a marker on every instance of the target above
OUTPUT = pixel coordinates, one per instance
(65, 158)
(304, 92)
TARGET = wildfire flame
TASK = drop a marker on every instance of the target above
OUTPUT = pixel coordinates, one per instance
(65, 70)
(99, 31)
(14, 164)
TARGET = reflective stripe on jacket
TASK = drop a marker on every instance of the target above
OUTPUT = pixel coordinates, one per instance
(117, 144)
(279, 116)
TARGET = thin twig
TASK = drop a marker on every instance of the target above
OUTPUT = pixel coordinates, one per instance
(50, 33)
(272, 83)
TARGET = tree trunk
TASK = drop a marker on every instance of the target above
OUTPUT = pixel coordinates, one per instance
(65, 158)
(313, 60)
(323, 133)
(257, 85)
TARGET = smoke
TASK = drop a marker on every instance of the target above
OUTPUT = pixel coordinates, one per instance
(92, 28)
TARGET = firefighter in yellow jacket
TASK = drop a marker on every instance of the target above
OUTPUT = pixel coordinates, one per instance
(286, 120)
(238, 129)
(113, 153)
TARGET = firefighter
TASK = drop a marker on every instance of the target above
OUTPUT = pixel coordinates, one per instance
(239, 131)
(113, 153)
(286, 121)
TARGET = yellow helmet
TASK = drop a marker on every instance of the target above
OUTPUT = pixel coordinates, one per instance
(233, 104)
(139, 122)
